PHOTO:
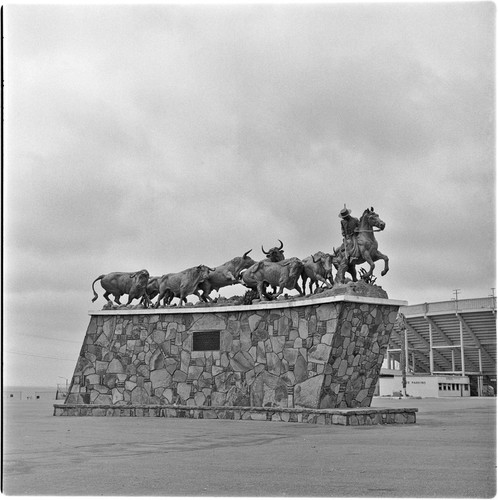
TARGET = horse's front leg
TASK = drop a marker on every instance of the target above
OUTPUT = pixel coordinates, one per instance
(385, 258)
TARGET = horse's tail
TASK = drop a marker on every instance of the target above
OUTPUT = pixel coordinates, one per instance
(95, 296)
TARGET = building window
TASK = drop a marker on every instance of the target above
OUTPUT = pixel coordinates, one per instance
(206, 341)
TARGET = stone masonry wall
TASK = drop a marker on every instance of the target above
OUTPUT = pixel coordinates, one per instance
(326, 355)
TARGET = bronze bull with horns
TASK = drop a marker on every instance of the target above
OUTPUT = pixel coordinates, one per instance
(224, 275)
(282, 274)
(275, 254)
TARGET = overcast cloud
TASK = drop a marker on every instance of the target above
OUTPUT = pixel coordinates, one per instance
(163, 137)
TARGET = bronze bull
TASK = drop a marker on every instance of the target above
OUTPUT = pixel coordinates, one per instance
(132, 284)
(317, 267)
(224, 275)
(283, 274)
(181, 284)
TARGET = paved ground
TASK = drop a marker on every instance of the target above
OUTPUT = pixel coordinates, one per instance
(450, 452)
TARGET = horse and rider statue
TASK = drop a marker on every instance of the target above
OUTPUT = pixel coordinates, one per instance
(359, 245)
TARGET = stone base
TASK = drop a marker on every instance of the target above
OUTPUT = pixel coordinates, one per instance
(353, 416)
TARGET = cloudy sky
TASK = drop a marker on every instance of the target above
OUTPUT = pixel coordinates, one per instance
(163, 137)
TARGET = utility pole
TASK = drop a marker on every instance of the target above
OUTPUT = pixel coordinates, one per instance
(455, 293)
(400, 326)
(493, 296)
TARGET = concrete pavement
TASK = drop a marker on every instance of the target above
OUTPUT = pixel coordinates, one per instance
(450, 452)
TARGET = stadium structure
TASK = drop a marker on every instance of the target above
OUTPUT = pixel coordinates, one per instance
(450, 350)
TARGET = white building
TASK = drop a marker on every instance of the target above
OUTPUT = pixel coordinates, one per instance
(422, 385)
(450, 350)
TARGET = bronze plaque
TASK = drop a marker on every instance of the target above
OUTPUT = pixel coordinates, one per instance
(206, 341)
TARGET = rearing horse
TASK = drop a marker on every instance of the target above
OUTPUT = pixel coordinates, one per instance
(367, 247)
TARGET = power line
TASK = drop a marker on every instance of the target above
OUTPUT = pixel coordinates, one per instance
(52, 338)
(38, 355)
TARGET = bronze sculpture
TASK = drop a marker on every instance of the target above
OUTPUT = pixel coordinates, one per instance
(224, 275)
(349, 225)
(132, 284)
(182, 284)
(282, 274)
(317, 268)
(359, 245)
(275, 254)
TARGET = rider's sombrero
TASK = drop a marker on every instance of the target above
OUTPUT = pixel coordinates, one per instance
(344, 212)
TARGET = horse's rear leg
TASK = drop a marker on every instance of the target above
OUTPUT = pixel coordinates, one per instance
(352, 272)
(371, 263)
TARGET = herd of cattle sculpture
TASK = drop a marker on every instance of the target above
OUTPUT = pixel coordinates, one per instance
(275, 270)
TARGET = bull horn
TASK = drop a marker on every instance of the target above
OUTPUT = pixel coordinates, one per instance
(245, 255)
(211, 269)
(264, 251)
(281, 245)
(313, 257)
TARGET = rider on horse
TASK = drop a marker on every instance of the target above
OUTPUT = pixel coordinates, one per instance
(349, 229)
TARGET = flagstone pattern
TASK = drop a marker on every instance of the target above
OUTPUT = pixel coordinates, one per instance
(319, 356)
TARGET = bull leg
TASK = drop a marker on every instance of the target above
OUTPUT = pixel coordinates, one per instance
(169, 298)
(297, 287)
(205, 296)
(145, 300)
(305, 279)
(116, 299)
(148, 301)
(280, 291)
(324, 280)
(261, 291)
(268, 296)
(206, 290)
(330, 279)
(160, 297)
